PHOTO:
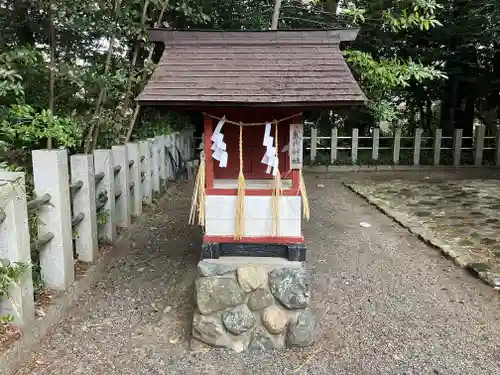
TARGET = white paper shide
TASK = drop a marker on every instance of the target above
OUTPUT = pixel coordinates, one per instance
(271, 156)
(218, 148)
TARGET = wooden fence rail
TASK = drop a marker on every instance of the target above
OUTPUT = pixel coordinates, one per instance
(78, 201)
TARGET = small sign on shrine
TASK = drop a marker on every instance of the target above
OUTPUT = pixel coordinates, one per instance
(250, 196)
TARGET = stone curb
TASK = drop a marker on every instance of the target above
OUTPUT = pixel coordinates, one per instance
(426, 236)
(21, 349)
(377, 168)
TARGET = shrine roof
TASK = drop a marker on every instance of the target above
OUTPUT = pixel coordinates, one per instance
(300, 68)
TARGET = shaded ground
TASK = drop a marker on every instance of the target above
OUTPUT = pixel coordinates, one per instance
(459, 216)
(386, 304)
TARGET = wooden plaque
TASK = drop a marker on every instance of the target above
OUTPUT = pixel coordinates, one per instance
(295, 149)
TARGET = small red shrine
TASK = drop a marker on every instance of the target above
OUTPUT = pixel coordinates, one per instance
(252, 88)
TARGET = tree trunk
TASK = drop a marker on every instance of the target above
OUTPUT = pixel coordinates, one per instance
(150, 56)
(52, 79)
(93, 134)
(276, 15)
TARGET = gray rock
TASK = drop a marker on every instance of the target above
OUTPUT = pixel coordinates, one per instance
(217, 293)
(290, 287)
(207, 269)
(302, 332)
(251, 278)
(238, 320)
(209, 329)
(260, 299)
(263, 340)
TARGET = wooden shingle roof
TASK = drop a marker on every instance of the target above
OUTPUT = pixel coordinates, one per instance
(262, 68)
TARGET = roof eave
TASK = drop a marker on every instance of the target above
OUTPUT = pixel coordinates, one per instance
(162, 35)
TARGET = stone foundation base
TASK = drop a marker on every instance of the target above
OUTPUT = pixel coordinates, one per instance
(252, 304)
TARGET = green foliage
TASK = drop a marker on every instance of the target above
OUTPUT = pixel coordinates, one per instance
(10, 274)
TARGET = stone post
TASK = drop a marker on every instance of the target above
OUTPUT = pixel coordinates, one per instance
(15, 246)
(376, 143)
(51, 176)
(122, 186)
(457, 147)
(333, 146)
(146, 182)
(314, 144)
(354, 146)
(437, 146)
(160, 141)
(83, 199)
(397, 145)
(105, 192)
(155, 165)
(417, 144)
(479, 145)
(135, 178)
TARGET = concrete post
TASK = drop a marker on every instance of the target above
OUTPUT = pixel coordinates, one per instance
(146, 182)
(168, 157)
(155, 165)
(333, 145)
(160, 141)
(437, 146)
(122, 186)
(354, 146)
(51, 176)
(497, 147)
(135, 178)
(82, 170)
(15, 246)
(314, 144)
(417, 144)
(376, 143)
(105, 191)
(397, 145)
(457, 147)
(176, 149)
(479, 145)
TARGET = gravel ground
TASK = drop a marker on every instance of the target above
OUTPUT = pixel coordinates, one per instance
(386, 303)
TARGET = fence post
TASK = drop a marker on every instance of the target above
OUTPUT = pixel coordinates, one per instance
(122, 186)
(437, 146)
(51, 176)
(314, 142)
(397, 145)
(160, 141)
(354, 146)
(457, 147)
(15, 246)
(135, 178)
(497, 147)
(417, 144)
(105, 192)
(83, 198)
(146, 183)
(376, 142)
(155, 165)
(169, 157)
(333, 145)
(479, 145)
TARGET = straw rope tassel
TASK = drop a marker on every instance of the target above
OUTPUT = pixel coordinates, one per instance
(276, 190)
(240, 199)
(305, 200)
(198, 199)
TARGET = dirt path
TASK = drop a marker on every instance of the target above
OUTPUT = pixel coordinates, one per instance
(386, 304)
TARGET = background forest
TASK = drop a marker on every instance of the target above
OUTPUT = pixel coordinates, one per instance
(69, 70)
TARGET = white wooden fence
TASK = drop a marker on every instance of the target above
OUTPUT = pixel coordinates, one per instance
(70, 196)
(331, 144)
